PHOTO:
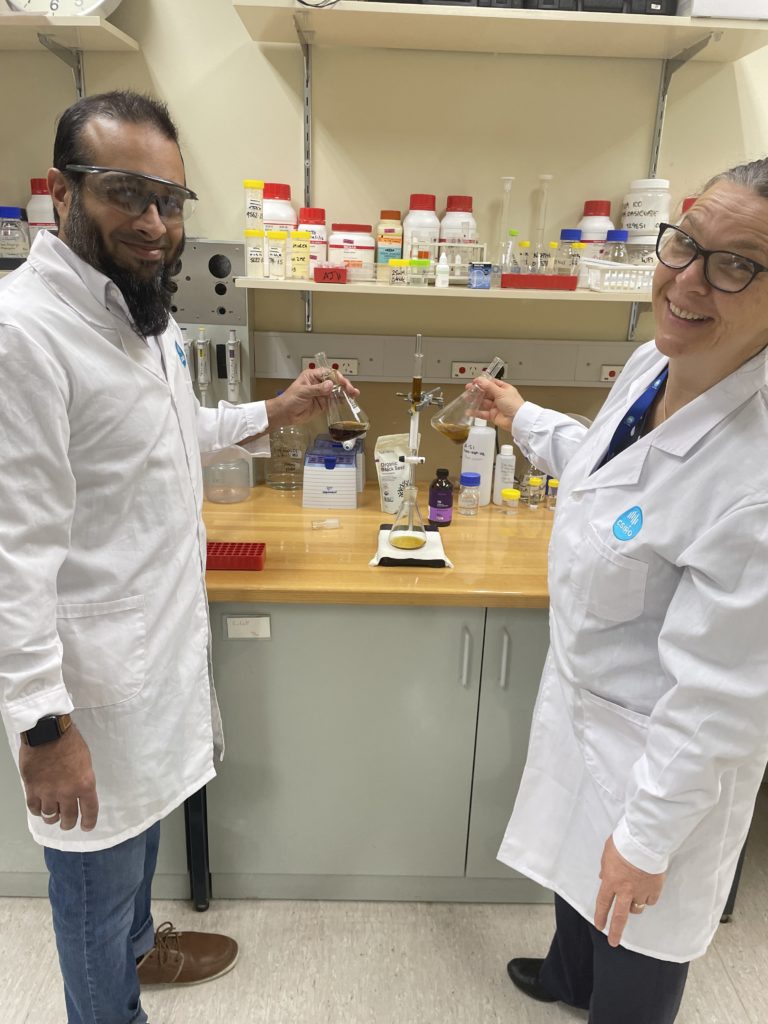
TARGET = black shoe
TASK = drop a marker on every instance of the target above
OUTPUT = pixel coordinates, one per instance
(524, 972)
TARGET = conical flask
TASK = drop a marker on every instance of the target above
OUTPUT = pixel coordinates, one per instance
(346, 420)
(408, 528)
(457, 417)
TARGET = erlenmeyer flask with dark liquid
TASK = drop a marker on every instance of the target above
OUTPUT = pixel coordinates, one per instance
(346, 420)
(458, 416)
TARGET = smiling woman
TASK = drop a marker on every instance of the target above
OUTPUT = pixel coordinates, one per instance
(649, 739)
(709, 293)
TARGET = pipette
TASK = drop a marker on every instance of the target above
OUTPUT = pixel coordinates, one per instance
(203, 354)
(544, 180)
(233, 367)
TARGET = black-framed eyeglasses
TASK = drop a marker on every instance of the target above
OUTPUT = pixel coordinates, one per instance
(133, 193)
(725, 271)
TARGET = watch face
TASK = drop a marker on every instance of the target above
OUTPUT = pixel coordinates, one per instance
(65, 8)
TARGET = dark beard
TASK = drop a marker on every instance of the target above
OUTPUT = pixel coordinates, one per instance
(148, 298)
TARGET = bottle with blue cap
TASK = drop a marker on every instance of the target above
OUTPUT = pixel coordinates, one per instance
(616, 246)
(469, 494)
(566, 257)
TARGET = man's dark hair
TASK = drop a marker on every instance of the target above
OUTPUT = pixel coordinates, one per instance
(121, 105)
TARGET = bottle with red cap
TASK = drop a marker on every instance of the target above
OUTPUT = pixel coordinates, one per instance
(279, 212)
(458, 224)
(421, 228)
(40, 208)
(595, 225)
(312, 219)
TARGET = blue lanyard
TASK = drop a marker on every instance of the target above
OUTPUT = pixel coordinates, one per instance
(631, 426)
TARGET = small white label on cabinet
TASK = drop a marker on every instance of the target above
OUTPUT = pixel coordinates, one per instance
(247, 627)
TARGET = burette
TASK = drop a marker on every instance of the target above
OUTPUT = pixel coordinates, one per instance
(417, 399)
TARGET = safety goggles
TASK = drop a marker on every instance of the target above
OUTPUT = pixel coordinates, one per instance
(133, 193)
(725, 271)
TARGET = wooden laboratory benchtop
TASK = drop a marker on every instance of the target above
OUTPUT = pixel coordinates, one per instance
(499, 561)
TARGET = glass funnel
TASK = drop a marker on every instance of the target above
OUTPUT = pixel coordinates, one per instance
(457, 417)
(408, 528)
(346, 420)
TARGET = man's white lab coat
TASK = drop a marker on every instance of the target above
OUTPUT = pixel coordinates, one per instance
(102, 549)
(651, 723)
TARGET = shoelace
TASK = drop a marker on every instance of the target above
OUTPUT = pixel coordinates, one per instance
(166, 942)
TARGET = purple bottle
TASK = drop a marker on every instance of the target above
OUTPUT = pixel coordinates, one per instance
(441, 499)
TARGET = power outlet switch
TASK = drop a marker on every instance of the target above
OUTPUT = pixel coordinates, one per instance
(349, 367)
(467, 370)
(609, 373)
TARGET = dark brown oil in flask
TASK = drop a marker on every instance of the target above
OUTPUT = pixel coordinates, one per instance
(456, 432)
(345, 430)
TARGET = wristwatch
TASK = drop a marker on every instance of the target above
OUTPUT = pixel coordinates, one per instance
(46, 730)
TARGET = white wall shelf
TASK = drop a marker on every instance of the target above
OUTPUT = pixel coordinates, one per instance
(358, 23)
(360, 288)
(21, 31)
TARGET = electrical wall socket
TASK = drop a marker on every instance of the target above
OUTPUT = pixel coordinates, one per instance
(349, 367)
(467, 370)
(609, 372)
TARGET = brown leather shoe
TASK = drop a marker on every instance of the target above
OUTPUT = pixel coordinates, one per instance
(186, 958)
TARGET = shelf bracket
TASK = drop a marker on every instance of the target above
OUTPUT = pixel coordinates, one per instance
(668, 68)
(305, 42)
(72, 58)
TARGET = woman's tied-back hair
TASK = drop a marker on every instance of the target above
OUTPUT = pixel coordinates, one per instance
(753, 176)
(120, 105)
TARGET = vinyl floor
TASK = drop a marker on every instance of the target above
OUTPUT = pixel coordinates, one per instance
(387, 963)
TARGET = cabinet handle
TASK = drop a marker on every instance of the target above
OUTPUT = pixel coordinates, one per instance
(467, 640)
(504, 659)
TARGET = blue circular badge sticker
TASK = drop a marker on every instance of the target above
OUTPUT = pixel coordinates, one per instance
(629, 523)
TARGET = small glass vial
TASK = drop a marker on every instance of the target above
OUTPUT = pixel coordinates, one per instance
(534, 491)
(552, 487)
(417, 272)
(469, 494)
(510, 500)
(398, 271)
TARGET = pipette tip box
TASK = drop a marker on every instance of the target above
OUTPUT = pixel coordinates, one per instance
(238, 555)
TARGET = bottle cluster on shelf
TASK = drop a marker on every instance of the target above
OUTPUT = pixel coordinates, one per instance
(420, 249)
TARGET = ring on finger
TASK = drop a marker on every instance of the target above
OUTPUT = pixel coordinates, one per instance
(638, 906)
(49, 817)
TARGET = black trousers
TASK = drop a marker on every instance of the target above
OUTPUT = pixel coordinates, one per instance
(616, 985)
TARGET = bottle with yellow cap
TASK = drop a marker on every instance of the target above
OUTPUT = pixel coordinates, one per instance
(510, 500)
(552, 489)
(254, 252)
(276, 255)
(299, 260)
(254, 203)
(535, 487)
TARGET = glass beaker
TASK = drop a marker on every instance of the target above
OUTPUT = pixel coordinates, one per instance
(458, 416)
(346, 420)
(408, 528)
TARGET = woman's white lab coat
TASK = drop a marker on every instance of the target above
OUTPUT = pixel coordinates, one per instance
(651, 723)
(102, 551)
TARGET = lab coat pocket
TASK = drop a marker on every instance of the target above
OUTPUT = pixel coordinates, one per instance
(613, 739)
(609, 585)
(104, 650)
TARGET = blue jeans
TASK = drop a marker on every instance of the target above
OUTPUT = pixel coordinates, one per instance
(102, 920)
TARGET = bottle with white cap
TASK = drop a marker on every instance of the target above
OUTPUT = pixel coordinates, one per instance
(40, 208)
(504, 475)
(478, 454)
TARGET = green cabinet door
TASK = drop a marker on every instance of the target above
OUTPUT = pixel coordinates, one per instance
(349, 742)
(516, 642)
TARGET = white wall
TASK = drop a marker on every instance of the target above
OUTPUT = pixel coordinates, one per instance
(388, 123)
